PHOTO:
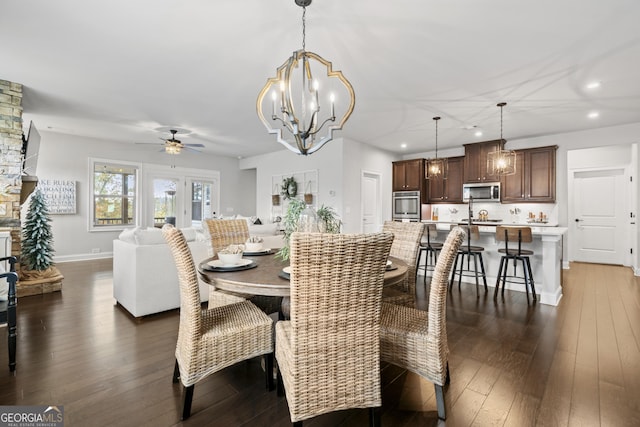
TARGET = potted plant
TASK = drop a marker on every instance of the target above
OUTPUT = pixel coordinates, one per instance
(326, 217)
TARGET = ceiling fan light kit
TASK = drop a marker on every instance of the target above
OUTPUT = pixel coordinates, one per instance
(295, 101)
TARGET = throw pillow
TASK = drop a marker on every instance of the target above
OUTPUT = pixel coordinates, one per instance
(128, 235)
(189, 234)
(150, 236)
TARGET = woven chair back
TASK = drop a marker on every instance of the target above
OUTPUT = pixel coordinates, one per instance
(437, 329)
(406, 244)
(190, 317)
(225, 232)
(336, 298)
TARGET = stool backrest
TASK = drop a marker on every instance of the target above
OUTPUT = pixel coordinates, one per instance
(508, 234)
(430, 233)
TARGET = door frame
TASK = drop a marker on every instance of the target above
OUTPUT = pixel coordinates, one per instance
(623, 223)
(605, 162)
(378, 177)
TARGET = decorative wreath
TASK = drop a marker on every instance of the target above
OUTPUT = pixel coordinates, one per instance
(289, 188)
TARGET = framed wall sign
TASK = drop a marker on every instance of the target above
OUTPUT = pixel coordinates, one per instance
(60, 195)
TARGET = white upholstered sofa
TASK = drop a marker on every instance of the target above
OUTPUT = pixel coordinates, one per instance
(145, 279)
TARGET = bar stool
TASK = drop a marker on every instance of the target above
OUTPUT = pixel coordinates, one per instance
(431, 248)
(521, 235)
(469, 251)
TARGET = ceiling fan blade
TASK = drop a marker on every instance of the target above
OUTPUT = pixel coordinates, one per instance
(191, 149)
(194, 145)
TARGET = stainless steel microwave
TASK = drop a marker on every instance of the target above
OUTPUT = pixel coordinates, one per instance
(482, 192)
(406, 205)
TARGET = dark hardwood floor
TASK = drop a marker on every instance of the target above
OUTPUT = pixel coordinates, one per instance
(511, 363)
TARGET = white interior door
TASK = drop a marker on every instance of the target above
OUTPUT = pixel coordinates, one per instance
(371, 203)
(600, 222)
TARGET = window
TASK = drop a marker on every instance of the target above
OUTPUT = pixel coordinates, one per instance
(114, 195)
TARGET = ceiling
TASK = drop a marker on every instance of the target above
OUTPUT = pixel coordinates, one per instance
(131, 70)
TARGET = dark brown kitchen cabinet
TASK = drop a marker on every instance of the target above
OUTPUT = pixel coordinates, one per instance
(448, 190)
(475, 161)
(408, 175)
(535, 177)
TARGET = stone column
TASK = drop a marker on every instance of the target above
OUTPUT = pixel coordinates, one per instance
(10, 160)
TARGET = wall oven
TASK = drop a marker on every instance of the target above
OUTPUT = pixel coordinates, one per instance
(406, 205)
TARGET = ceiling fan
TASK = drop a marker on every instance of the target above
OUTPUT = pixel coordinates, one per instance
(175, 146)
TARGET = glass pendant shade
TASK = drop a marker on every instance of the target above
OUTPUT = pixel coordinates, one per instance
(501, 162)
(437, 168)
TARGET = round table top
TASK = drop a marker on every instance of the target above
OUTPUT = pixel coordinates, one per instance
(265, 278)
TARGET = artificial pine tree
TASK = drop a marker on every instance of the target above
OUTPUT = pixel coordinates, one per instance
(37, 250)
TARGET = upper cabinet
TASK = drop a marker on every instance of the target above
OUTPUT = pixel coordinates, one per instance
(408, 175)
(535, 177)
(448, 190)
(475, 161)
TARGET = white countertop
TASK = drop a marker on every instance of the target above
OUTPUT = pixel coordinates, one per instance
(539, 229)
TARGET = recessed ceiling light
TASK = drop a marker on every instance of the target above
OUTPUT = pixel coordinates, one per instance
(403, 145)
(478, 133)
(593, 85)
(593, 115)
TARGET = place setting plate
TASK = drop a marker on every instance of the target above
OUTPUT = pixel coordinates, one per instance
(266, 251)
(217, 265)
(285, 273)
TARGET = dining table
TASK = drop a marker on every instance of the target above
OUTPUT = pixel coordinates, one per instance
(265, 275)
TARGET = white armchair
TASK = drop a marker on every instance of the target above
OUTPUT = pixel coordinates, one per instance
(145, 278)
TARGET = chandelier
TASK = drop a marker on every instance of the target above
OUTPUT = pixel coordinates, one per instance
(437, 168)
(501, 162)
(298, 111)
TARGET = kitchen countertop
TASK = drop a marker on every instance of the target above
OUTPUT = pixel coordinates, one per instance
(540, 229)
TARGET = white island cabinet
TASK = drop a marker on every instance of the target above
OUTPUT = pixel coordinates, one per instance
(546, 262)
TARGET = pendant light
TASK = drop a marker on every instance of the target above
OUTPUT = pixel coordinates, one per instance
(501, 162)
(437, 168)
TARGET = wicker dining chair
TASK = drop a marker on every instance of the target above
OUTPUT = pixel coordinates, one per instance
(212, 339)
(406, 245)
(225, 232)
(328, 353)
(417, 340)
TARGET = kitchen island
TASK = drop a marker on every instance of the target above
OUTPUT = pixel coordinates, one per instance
(546, 262)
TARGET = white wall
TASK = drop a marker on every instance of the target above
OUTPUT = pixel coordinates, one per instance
(246, 183)
(65, 157)
(339, 165)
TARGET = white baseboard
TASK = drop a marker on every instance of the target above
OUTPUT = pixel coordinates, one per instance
(82, 257)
